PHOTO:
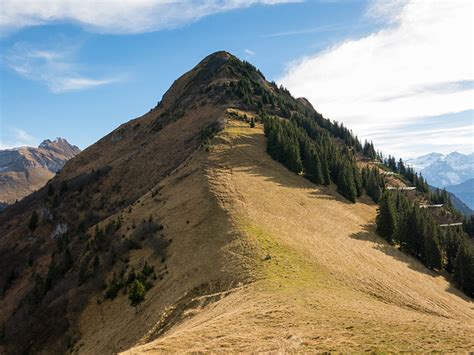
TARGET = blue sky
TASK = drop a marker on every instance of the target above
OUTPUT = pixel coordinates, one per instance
(81, 68)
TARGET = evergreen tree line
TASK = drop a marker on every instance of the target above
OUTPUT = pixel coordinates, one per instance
(305, 144)
(468, 226)
(373, 182)
(440, 197)
(401, 221)
(279, 102)
(407, 172)
(368, 150)
(305, 148)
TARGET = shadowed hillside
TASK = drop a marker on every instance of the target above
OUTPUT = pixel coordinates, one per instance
(233, 251)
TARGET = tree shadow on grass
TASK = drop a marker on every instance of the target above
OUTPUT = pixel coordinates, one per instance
(369, 234)
(254, 160)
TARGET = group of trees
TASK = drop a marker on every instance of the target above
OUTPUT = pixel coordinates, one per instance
(368, 150)
(468, 226)
(373, 182)
(407, 172)
(135, 284)
(440, 197)
(401, 221)
(304, 148)
(324, 151)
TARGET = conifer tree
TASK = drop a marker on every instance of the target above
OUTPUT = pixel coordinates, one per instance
(345, 182)
(33, 223)
(137, 294)
(357, 180)
(464, 268)
(432, 252)
(412, 244)
(312, 166)
(386, 217)
(451, 242)
(325, 169)
(292, 158)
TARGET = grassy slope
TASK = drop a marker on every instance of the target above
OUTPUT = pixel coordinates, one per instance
(208, 256)
(329, 284)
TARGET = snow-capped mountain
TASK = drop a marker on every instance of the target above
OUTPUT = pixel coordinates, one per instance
(425, 160)
(444, 170)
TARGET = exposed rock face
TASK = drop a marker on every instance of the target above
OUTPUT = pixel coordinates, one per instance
(26, 169)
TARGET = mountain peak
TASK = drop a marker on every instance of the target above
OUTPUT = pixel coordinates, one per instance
(60, 145)
(220, 54)
(186, 200)
(26, 169)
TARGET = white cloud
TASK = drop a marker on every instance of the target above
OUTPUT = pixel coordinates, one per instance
(55, 68)
(249, 52)
(20, 137)
(112, 16)
(419, 65)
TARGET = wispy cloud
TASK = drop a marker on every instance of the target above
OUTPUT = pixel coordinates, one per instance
(418, 65)
(55, 68)
(443, 134)
(110, 16)
(304, 31)
(18, 138)
(249, 52)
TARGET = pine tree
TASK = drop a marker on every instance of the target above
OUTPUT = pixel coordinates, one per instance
(357, 179)
(312, 166)
(432, 252)
(452, 242)
(252, 123)
(137, 294)
(345, 182)
(292, 156)
(412, 240)
(373, 185)
(402, 208)
(468, 226)
(386, 217)
(464, 268)
(33, 223)
(325, 169)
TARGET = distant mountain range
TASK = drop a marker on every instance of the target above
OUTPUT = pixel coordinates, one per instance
(465, 191)
(26, 169)
(445, 170)
(454, 171)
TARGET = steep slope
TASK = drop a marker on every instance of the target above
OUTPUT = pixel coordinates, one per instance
(26, 169)
(245, 254)
(326, 282)
(54, 267)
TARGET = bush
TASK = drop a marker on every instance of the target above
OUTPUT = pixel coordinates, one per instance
(145, 230)
(113, 288)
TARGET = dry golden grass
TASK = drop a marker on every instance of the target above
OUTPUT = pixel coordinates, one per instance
(323, 280)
